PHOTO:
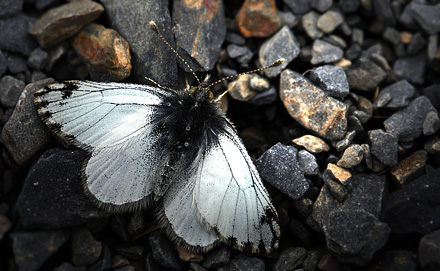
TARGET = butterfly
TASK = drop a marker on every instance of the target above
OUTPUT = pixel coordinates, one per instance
(175, 149)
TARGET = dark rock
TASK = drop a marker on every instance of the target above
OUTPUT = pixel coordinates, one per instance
(329, 21)
(411, 68)
(357, 36)
(119, 226)
(352, 156)
(217, 258)
(395, 96)
(119, 261)
(10, 7)
(288, 19)
(69, 267)
(43, 4)
(16, 63)
(309, 23)
(354, 235)
(243, 262)
(429, 251)
(410, 168)
(136, 224)
(104, 261)
(432, 47)
(407, 15)
(55, 53)
(353, 52)
(417, 44)
(364, 75)
(5, 225)
(266, 97)
(254, 14)
(14, 36)
(384, 147)
(407, 124)
(85, 249)
(311, 107)
(125, 268)
(432, 92)
(349, 6)
(281, 168)
(10, 90)
(416, 207)
(354, 124)
(281, 45)
(25, 134)
(3, 64)
(384, 12)
(328, 262)
(132, 252)
(402, 260)
(338, 191)
(32, 249)
(235, 38)
(164, 251)
(365, 191)
(324, 52)
(308, 162)
(431, 124)
(37, 59)
(391, 35)
(37, 76)
(331, 79)
(321, 5)
(53, 196)
(298, 7)
(150, 56)
(235, 51)
(208, 21)
(195, 267)
(344, 143)
(290, 258)
(427, 16)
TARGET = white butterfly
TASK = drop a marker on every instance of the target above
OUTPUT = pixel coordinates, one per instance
(176, 149)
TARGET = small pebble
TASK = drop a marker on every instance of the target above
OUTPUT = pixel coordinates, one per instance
(324, 52)
(309, 23)
(384, 147)
(364, 75)
(429, 251)
(329, 21)
(339, 173)
(37, 59)
(411, 68)
(351, 157)
(253, 14)
(312, 143)
(290, 258)
(332, 80)
(410, 168)
(308, 162)
(431, 124)
(395, 96)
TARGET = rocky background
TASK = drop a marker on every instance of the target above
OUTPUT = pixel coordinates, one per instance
(345, 132)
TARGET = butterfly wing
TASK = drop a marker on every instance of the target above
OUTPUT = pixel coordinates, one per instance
(113, 122)
(230, 198)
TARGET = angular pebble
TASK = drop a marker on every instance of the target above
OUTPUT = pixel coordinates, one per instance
(258, 18)
(431, 124)
(25, 134)
(240, 90)
(312, 143)
(85, 249)
(150, 56)
(331, 79)
(14, 36)
(427, 16)
(411, 68)
(351, 157)
(164, 251)
(407, 124)
(62, 22)
(311, 107)
(32, 249)
(321, 5)
(53, 195)
(217, 257)
(354, 235)
(104, 261)
(10, 90)
(383, 11)
(280, 167)
(244, 262)
(339, 173)
(395, 96)
(429, 251)
(324, 52)
(309, 22)
(207, 19)
(37, 59)
(290, 258)
(410, 168)
(328, 21)
(414, 208)
(364, 75)
(106, 53)
(298, 7)
(344, 143)
(384, 147)
(308, 162)
(266, 97)
(282, 45)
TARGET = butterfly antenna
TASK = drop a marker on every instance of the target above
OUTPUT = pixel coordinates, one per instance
(276, 63)
(156, 29)
(159, 85)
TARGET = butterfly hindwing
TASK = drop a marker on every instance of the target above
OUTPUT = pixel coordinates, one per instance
(113, 122)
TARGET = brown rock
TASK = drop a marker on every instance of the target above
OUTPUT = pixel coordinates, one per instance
(240, 90)
(25, 134)
(62, 22)
(258, 18)
(188, 256)
(352, 156)
(311, 107)
(106, 53)
(410, 168)
(341, 174)
(312, 143)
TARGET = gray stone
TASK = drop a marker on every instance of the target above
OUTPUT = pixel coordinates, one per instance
(243, 262)
(14, 36)
(329, 21)
(324, 52)
(16, 63)
(384, 147)
(344, 143)
(281, 168)
(164, 251)
(266, 97)
(298, 7)
(32, 249)
(357, 36)
(354, 235)
(321, 5)
(429, 251)
(349, 6)
(53, 195)
(407, 15)
(85, 249)
(288, 18)
(432, 92)
(3, 64)
(217, 257)
(411, 68)
(37, 59)
(407, 124)
(10, 7)
(290, 258)
(395, 96)
(308, 162)
(432, 47)
(383, 11)
(281, 45)
(431, 124)
(364, 75)
(10, 90)
(417, 44)
(353, 52)
(309, 23)
(104, 261)
(235, 51)
(352, 156)
(150, 56)
(416, 207)
(5, 225)
(235, 38)
(332, 80)
(392, 35)
(134, 252)
(427, 16)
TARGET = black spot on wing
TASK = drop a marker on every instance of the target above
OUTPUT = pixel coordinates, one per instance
(68, 88)
(43, 91)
